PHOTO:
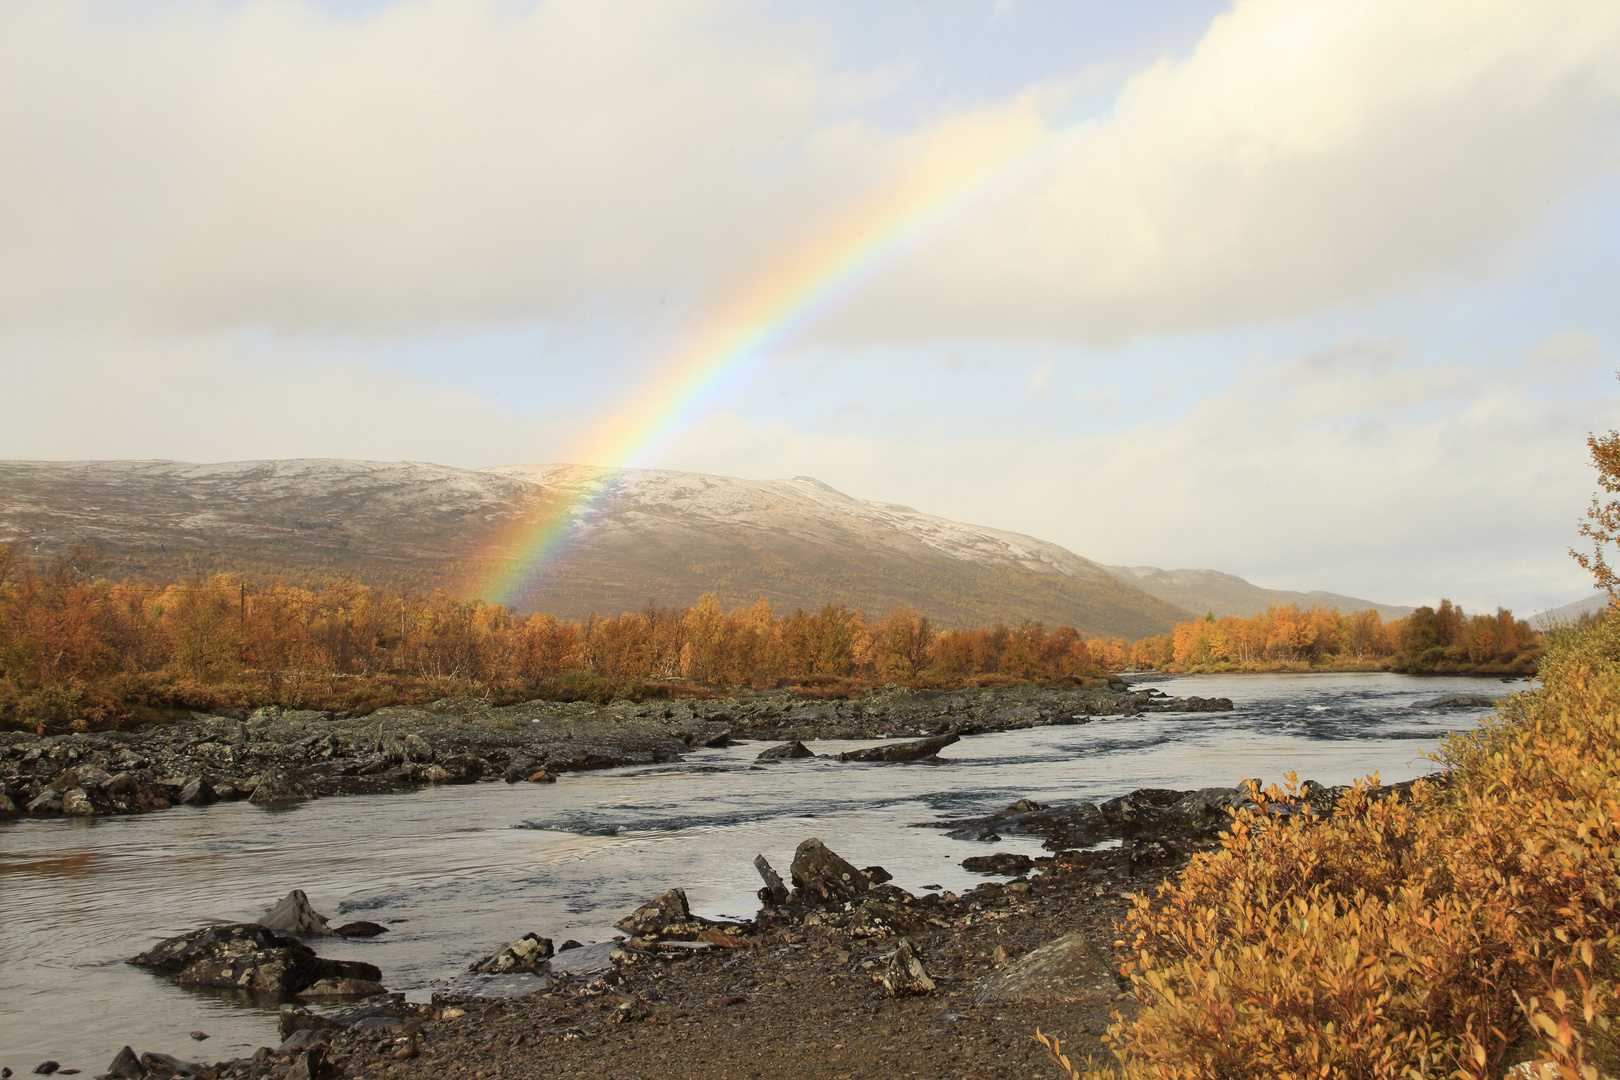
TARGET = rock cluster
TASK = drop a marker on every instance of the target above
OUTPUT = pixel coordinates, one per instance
(277, 756)
(247, 957)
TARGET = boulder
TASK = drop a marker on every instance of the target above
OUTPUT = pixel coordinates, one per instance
(1456, 701)
(246, 956)
(1069, 969)
(76, 803)
(296, 1018)
(168, 1065)
(343, 987)
(903, 975)
(462, 768)
(666, 916)
(196, 792)
(528, 953)
(915, 750)
(820, 876)
(312, 1064)
(360, 928)
(293, 914)
(277, 786)
(793, 749)
(126, 1066)
(1002, 862)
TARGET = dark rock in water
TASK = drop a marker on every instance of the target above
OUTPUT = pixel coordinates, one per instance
(541, 776)
(1458, 701)
(197, 792)
(877, 875)
(360, 928)
(714, 742)
(167, 1065)
(793, 749)
(774, 893)
(246, 956)
(126, 1066)
(569, 944)
(513, 774)
(199, 1036)
(277, 786)
(1198, 704)
(1064, 825)
(1138, 804)
(1002, 862)
(46, 1068)
(528, 953)
(1205, 806)
(915, 750)
(1022, 806)
(903, 975)
(1066, 970)
(294, 915)
(820, 876)
(667, 916)
(585, 762)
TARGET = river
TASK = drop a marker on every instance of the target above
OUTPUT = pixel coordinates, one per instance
(458, 871)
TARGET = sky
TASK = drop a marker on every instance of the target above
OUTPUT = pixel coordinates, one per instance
(1322, 294)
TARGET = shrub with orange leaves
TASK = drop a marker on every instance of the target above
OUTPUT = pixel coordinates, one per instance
(1470, 925)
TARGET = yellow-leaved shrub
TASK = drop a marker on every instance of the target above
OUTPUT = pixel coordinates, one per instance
(1451, 933)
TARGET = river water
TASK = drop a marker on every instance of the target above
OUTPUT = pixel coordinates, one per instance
(458, 871)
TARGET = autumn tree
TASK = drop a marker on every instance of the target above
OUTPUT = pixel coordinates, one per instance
(1602, 524)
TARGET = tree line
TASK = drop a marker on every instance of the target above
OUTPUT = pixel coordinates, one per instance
(79, 650)
(1431, 640)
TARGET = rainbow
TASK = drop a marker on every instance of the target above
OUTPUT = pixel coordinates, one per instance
(954, 181)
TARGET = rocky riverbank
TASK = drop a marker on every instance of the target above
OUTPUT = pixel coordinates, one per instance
(276, 756)
(842, 975)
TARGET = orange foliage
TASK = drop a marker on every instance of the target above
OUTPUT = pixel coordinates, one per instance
(74, 646)
(1291, 638)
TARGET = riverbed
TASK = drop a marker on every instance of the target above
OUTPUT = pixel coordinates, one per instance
(456, 871)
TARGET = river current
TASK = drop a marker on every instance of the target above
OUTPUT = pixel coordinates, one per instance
(456, 872)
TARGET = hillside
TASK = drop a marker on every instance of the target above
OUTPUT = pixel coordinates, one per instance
(1227, 594)
(659, 535)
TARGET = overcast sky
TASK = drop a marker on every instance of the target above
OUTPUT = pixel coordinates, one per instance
(1322, 293)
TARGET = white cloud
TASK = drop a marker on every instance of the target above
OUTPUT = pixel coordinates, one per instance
(221, 399)
(186, 166)
(189, 167)
(1307, 153)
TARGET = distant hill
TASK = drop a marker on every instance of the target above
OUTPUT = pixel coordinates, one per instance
(662, 536)
(1225, 594)
(1569, 613)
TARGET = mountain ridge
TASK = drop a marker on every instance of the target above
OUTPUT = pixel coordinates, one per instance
(1227, 594)
(652, 536)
